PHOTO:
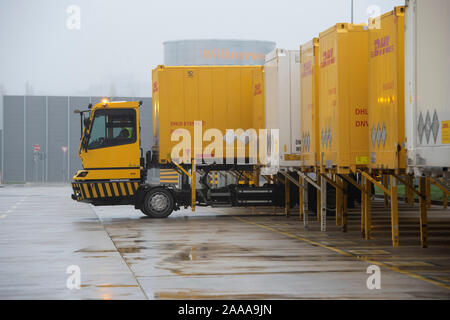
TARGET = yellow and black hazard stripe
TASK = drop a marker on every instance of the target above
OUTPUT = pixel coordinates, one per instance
(104, 189)
(213, 178)
(168, 176)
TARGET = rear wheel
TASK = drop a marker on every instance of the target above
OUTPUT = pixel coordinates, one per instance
(158, 203)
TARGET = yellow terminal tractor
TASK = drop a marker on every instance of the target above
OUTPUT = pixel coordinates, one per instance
(110, 153)
(115, 166)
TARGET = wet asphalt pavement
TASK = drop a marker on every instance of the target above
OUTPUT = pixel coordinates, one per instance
(210, 254)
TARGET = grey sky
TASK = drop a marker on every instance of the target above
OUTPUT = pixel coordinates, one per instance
(121, 41)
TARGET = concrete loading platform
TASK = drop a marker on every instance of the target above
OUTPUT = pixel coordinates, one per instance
(213, 253)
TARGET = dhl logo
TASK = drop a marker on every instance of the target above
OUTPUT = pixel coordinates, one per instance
(155, 87)
(361, 112)
(381, 47)
(307, 69)
(327, 58)
(258, 89)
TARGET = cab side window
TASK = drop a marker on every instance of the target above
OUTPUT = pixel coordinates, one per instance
(112, 127)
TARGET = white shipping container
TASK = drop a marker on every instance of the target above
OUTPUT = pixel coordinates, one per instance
(427, 86)
(282, 102)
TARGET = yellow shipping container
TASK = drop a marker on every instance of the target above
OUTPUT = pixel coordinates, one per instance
(309, 102)
(221, 97)
(386, 91)
(343, 86)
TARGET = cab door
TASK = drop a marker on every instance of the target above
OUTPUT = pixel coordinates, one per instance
(112, 150)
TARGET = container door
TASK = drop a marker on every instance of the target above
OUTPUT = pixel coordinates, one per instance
(294, 60)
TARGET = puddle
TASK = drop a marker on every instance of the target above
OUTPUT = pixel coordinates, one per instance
(130, 249)
(94, 250)
(194, 294)
(109, 285)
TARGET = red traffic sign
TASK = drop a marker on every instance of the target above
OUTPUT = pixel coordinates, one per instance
(36, 147)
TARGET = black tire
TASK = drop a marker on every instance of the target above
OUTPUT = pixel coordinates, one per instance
(158, 203)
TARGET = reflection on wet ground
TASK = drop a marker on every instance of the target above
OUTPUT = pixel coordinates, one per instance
(213, 253)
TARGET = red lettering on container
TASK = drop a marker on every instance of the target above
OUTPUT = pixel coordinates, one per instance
(388, 85)
(327, 58)
(381, 47)
(307, 69)
(359, 111)
(364, 123)
(257, 89)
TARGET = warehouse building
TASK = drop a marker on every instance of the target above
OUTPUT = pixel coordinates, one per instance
(41, 136)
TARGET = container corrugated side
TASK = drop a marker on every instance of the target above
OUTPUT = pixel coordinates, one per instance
(295, 114)
(221, 97)
(343, 97)
(427, 90)
(309, 106)
(386, 91)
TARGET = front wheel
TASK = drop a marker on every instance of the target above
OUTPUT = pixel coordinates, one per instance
(158, 203)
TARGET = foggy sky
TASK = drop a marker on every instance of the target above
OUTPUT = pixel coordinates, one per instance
(121, 41)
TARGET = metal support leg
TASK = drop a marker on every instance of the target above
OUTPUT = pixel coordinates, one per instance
(423, 211)
(445, 192)
(287, 199)
(338, 202)
(385, 183)
(305, 203)
(319, 210)
(323, 204)
(394, 212)
(257, 173)
(368, 212)
(193, 185)
(344, 207)
(411, 194)
(301, 209)
(363, 207)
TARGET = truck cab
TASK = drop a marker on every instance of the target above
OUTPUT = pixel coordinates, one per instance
(114, 170)
(110, 154)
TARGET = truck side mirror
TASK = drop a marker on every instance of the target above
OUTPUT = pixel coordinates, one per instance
(87, 122)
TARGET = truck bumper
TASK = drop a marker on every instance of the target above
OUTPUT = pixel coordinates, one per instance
(104, 191)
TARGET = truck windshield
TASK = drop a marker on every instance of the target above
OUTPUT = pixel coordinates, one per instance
(112, 127)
